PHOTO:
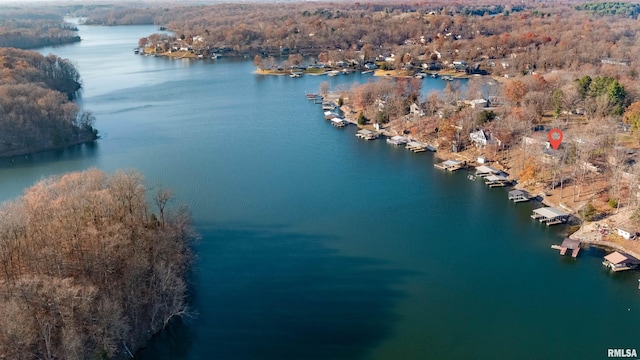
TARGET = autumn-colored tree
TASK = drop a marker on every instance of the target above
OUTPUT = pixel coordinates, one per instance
(514, 91)
(631, 116)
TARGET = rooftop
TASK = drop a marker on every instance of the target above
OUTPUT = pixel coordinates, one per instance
(550, 212)
(616, 257)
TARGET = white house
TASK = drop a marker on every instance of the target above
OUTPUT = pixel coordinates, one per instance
(477, 103)
(414, 109)
(626, 230)
(483, 138)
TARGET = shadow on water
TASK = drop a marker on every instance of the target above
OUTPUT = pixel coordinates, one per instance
(74, 152)
(266, 293)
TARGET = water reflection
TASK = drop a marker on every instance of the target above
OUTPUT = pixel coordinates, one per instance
(74, 152)
(265, 293)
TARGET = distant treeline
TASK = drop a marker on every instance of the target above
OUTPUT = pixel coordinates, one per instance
(611, 8)
(87, 271)
(28, 31)
(35, 109)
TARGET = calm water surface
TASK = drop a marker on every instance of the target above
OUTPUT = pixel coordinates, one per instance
(316, 245)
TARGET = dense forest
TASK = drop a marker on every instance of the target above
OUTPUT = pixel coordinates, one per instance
(32, 28)
(545, 37)
(87, 270)
(36, 112)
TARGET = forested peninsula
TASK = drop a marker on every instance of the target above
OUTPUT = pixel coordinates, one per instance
(32, 28)
(36, 111)
(87, 269)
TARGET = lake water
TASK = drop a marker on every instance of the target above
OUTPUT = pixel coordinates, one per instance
(316, 245)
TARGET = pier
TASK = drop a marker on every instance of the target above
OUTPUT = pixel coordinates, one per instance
(568, 244)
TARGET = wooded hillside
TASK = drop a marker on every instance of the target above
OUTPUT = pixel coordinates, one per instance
(87, 271)
(35, 108)
(31, 27)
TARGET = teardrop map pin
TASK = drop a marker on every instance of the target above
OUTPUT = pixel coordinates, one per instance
(555, 138)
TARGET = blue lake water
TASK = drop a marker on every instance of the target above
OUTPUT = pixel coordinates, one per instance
(316, 245)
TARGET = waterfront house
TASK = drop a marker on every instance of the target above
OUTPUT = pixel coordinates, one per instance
(477, 103)
(618, 261)
(550, 216)
(483, 138)
(627, 230)
(415, 110)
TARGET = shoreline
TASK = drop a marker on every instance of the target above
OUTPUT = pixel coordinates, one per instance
(586, 232)
(32, 152)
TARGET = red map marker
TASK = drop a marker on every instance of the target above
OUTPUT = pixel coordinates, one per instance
(555, 138)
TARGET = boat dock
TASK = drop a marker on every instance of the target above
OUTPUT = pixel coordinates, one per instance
(328, 115)
(497, 181)
(338, 122)
(519, 196)
(619, 261)
(416, 146)
(328, 105)
(450, 165)
(397, 140)
(568, 244)
(550, 216)
(367, 134)
(484, 171)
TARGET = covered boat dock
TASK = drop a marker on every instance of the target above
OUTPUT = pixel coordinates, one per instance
(519, 196)
(450, 165)
(338, 122)
(484, 171)
(550, 216)
(497, 180)
(397, 140)
(367, 134)
(568, 244)
(416, 146)
(618, 261)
